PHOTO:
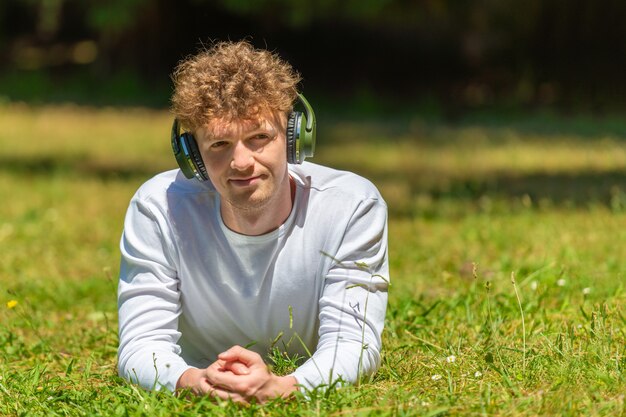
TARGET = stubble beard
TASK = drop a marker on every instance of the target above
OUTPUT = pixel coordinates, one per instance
(248, 205)
(256, 202)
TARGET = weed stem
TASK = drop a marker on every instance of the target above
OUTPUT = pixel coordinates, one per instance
(519, 303)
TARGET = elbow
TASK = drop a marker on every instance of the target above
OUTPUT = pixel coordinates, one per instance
(370, 362)
(122, 366)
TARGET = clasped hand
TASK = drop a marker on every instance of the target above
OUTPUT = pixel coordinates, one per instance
(238, 374)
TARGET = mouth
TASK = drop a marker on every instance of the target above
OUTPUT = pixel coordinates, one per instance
(245, 182)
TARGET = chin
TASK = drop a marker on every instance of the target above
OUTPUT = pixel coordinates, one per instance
(250, 203)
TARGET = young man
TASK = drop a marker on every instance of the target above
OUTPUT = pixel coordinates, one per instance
(259, 253)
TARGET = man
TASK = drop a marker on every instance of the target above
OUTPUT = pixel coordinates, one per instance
(260, 252)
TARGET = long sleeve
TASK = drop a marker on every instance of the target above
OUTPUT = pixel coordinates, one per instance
(190, 288)
(148, 301)
(353, 302)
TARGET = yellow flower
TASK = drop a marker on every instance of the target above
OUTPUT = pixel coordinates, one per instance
(11, 303)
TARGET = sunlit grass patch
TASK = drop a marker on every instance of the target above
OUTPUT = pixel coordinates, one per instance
(469, 205)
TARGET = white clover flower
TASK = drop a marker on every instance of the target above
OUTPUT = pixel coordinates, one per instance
(451, 359)
(561, 282)
(436, 377)
(478, 374)
(534, 285)
(586, 291)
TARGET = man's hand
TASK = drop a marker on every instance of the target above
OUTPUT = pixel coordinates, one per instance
(240, 375)
(196, 381)
(257, 384)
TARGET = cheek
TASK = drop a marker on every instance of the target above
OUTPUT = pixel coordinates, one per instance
(279, 150)
(216, 168)
(278, 160)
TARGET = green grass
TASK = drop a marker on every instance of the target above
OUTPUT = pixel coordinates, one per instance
(470, 204)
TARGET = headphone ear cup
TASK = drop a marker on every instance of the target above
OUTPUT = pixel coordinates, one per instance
(194, 153)
(292, 136)
(300, 133)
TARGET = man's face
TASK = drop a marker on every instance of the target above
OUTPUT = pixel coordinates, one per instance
(246, 160)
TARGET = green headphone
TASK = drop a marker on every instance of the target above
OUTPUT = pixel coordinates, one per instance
(300, 142)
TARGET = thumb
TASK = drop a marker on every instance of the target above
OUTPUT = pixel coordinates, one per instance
(238, 353)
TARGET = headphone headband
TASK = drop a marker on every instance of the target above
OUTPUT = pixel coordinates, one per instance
(310, 116)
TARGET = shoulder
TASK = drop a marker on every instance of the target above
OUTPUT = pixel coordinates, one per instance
(333, 182)
(162, 187)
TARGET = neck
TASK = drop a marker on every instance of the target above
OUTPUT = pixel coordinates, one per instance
(261, 220)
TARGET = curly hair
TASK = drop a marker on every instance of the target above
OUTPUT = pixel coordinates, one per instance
(232, 80)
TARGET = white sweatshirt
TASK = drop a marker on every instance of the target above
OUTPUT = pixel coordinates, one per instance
(190, 288)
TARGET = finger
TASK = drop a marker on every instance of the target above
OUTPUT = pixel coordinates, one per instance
(223, 394)
(227, 380)
(204, 387)
(218, 365)
(236, 367)
(241, 354)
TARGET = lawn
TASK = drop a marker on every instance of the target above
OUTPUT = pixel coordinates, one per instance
(507, 254)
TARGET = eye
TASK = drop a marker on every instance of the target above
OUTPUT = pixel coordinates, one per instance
(261, 136)
(218, 144)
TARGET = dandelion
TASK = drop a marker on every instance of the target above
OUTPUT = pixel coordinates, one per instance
(534, 285)
(561, 282)
(478, 374)
(586, 291)
(11, 304)
(436, 377)
(451, 359)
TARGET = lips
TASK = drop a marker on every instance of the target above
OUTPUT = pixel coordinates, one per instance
(244, 182)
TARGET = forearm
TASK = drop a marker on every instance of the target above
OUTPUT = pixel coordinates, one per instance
(345, 362)
(352, 314)
(148, 306)
(151, 367)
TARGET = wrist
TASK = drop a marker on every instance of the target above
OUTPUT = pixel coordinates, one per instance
(284, 386)
(184, 380)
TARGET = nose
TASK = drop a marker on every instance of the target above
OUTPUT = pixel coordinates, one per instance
(242, 157)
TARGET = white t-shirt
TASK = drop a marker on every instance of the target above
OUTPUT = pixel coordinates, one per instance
(190, 288)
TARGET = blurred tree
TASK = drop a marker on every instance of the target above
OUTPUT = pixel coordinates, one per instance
(474, 52)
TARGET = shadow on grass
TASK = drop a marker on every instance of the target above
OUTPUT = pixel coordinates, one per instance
(574, 189)
(581, 189)
(77, 166)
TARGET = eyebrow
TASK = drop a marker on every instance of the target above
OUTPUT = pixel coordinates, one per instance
(229, 132)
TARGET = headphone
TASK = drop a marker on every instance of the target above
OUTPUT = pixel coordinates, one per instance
(300, 142)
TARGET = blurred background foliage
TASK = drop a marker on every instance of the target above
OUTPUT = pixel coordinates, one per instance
(446, 57)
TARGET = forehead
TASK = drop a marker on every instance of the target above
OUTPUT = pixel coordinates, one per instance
(223, 127)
